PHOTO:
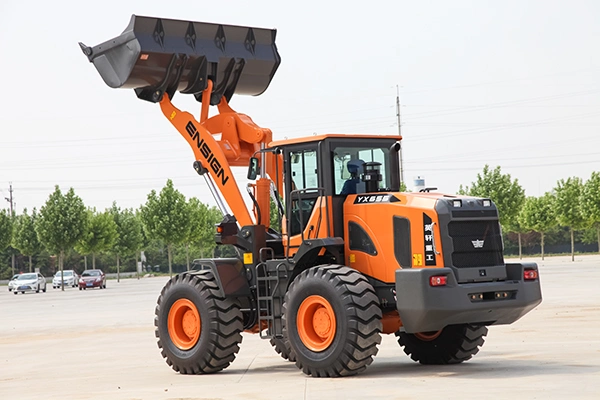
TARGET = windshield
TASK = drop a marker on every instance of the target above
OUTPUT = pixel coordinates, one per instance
(27, 277)
(65, 273)
(91, 273)
(348, 167)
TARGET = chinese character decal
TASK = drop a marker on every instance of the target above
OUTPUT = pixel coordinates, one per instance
(428, 236)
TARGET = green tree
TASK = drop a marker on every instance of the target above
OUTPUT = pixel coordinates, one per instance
(165, 217)
(591, 202)
(6, 228)
(568, 207)
(99, 234)
(61, 223)
(505, 192)
(538, 215)
(197, 218)
(129, 234)
(25, 237)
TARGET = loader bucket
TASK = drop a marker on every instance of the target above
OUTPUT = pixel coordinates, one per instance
(156, 56)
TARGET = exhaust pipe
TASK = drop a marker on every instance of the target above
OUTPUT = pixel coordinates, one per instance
(154, 56)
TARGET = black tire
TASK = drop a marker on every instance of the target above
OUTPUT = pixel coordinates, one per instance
(282, 347)
(38, 289)
(221, 325)
(357, 317)
(80, 288)
(44, 289)
(453, 345)
(15, 292)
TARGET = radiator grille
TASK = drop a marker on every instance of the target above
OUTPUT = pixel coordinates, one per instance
(476, 243)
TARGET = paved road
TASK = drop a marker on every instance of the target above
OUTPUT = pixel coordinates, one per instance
(100, 344)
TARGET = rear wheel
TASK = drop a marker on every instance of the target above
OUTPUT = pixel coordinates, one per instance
(197, 329)
(332, 320)
(452, 345)
(283, 348)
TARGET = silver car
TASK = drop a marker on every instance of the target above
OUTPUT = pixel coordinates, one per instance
(30, 282)
(12, 283)
(70, 277)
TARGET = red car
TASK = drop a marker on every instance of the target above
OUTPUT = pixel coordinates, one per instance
(91, 278)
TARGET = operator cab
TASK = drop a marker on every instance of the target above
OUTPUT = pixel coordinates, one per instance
(321, 171)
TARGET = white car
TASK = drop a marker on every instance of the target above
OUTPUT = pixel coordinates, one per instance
(70, 277)
(30, 282)
(12, 283)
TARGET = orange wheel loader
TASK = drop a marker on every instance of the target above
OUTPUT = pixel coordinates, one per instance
(352, 258)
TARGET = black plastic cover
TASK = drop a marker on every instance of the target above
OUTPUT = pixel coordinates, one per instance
(156, 56)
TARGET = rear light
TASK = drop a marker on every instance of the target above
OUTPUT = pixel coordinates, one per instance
(438, 280)
(530, 274)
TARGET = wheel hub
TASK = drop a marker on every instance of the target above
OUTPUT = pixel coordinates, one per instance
(184, 324)
(316, 323)
(322, 322)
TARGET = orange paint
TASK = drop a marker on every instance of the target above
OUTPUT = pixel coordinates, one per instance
(316, 323)
(184, 324)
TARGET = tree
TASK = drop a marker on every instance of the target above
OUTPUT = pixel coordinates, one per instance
(61, 223)
(165, 217)
(99, 234)
(506, 193)
(538, 214)
(197, 218)
(25, 237)
(568, 207)
(591, 202)
(6, 228)
(129, 233)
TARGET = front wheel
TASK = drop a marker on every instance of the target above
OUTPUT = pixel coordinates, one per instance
(332, 320)
(198, 330)
(452, 345)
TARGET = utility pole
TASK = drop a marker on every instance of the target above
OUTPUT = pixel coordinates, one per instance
(399, 133)
(10, 197)
(10, 200)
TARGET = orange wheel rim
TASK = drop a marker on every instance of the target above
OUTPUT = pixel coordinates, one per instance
(316, 323)
(428, 336)
(184, 324)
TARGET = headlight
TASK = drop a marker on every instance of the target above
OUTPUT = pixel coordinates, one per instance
(487, 203)
(456, 203)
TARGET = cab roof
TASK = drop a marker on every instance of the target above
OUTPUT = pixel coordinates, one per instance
(318, 138)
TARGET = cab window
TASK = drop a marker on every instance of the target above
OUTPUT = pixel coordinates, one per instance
(348, 167)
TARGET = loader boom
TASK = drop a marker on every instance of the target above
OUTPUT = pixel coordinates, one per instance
(209, 153)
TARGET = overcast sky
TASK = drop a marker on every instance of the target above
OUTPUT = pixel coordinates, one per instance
(509, 83)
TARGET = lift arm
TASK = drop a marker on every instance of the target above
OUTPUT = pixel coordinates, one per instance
(208, 152)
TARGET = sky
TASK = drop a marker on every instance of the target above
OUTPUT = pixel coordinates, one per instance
(510, 83)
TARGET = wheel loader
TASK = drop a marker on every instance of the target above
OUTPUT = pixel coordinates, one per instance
(352, 257)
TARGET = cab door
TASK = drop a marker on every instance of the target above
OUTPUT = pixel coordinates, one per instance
(305, 200)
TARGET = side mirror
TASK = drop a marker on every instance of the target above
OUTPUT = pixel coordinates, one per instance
(253, 168)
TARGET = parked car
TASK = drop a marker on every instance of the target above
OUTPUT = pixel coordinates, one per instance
(91, 278)
(30, 282)
(70, 277)
(12, 283)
